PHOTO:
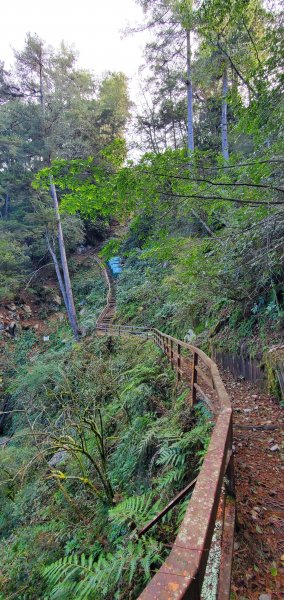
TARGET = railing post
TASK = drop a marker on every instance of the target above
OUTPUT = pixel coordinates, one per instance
(179, 361)
(194, 378)
(172, 354)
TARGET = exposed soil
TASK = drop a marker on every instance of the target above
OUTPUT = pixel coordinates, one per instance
(24, 312)
(259, 469)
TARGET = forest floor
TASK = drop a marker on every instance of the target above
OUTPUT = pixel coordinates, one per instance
(258, 569)
(25, 310)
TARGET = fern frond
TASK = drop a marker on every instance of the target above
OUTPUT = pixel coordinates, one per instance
(149, 440)
(171, 456)
(107, 573)
(68, 567)
(170, 478)
(137, 509)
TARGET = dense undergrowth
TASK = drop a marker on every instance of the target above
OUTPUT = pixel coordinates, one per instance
(101, 439)
(221, 289)
(155, 293)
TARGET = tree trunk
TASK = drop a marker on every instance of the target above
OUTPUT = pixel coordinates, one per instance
(224, 122)
(190, 133)
(190, 136)
(65, 286)
(41, 90)
(173, 122)
(7, 206)
(64, 264)
(58, 272)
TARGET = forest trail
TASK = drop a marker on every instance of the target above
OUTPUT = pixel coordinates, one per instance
(107, 315)
(258, 435)
(259, 469)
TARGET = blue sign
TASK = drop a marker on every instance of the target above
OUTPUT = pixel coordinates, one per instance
(114, 264)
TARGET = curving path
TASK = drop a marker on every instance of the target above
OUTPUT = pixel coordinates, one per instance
(211, 509)
(258, 571)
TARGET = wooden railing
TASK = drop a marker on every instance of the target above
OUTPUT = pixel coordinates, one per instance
(111, 329)
(108, 311)
(212, 504)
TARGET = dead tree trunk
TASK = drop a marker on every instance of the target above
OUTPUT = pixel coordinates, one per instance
(224, 121)
(190, 134)
(7, 206)
(64, 264)
(57, 270)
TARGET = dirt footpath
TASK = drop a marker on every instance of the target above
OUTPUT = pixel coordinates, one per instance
(258, 569)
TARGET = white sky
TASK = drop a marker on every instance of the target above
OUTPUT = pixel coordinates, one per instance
(93, 26)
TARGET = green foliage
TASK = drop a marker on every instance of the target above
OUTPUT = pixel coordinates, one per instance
(134, 511)
(112, 407)
(111, 248)
(99, 578)
(15, 262)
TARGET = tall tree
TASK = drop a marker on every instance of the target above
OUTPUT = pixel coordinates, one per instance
(190, 134)
(235, 40)
(224, 120)
(169, 60)
(67, 287)
(49, 109)
(187, 17)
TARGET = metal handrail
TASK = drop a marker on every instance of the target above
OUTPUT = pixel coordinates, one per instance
(182, 574)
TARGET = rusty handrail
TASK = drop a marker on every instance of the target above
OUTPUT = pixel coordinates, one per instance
(182, 574)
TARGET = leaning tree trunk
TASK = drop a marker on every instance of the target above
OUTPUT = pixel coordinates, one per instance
(224, 121)
(64, 264)
(7, 206)
(190, 135)
(57, 270)
(190, 132)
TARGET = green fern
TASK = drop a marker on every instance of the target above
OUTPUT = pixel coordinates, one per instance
(148, 441)
(171, 456)
(170, 479)
(137, 510)
(138, 375)
(85, 579)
